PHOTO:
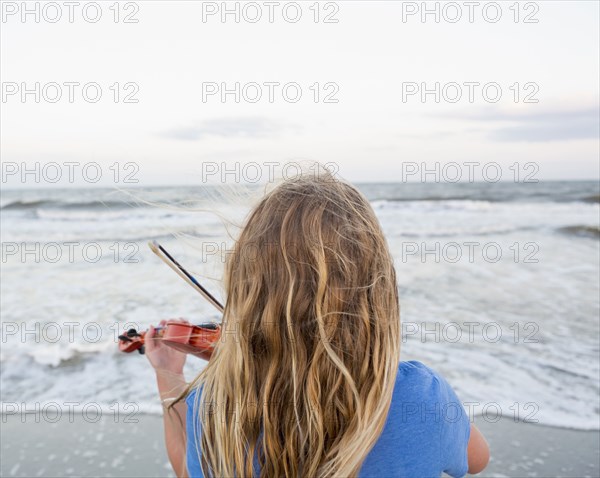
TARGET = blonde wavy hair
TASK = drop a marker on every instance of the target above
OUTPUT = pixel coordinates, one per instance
(302, 378)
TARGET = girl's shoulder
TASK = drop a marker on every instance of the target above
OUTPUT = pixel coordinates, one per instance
(415, 370)
(417, 380)
(427, 416)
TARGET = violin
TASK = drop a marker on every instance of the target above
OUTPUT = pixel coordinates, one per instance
(198, 340)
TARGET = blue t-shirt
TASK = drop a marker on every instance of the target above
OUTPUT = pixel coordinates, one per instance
(426, 432)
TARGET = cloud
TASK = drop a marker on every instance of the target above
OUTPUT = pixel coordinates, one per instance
(551, 129)
(250, 127)
(539, 126)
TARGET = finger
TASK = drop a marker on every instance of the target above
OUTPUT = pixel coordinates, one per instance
(162, 323)
(149, 339)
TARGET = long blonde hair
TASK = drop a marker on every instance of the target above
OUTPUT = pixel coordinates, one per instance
(303, 375)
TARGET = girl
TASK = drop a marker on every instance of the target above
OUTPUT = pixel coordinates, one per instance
(306, 380)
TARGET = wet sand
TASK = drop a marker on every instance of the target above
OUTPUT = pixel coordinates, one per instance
(112, 448)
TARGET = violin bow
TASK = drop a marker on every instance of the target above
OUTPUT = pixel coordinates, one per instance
(168, 259)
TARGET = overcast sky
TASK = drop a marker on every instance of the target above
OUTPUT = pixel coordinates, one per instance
(375, 52)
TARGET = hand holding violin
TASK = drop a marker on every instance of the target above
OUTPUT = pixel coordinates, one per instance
(160, 355)
(179, 335)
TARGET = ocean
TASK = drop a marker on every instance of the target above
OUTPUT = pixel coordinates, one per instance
(499, 287)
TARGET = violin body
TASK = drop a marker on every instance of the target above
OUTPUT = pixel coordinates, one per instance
(198, 340)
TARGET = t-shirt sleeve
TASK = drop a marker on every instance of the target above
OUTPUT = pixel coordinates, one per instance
(455, 431)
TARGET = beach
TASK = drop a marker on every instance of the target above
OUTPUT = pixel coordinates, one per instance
(498, 286)
(109, 449)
